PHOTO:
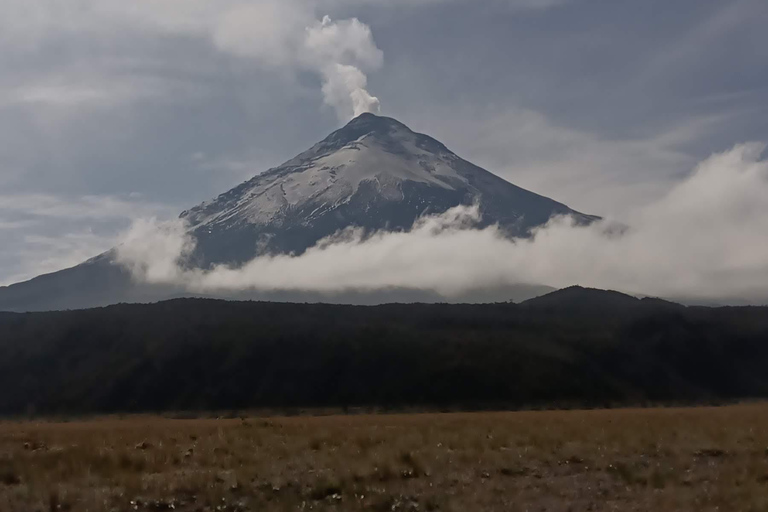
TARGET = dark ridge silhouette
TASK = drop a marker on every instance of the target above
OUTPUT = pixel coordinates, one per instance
(198, 354)
(578, 296)
(577, 300)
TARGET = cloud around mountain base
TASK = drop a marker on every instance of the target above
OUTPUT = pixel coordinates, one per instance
(705, 240)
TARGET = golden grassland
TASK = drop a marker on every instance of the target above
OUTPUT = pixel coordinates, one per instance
(696, 459)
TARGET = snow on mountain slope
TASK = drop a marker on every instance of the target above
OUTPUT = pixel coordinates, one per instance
(329, 180)
(374, 173)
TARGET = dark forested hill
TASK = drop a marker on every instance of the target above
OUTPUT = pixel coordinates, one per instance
(576, 346)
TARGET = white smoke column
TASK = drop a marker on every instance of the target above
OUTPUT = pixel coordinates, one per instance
(344, 85)
(341, 51)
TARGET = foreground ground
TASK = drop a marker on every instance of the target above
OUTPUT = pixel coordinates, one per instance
(651, 459)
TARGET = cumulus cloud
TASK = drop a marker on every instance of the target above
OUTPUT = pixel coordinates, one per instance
(274, 33)
(154, 251)
(705, 240)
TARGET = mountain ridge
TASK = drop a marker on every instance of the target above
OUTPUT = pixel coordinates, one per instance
(374, 173)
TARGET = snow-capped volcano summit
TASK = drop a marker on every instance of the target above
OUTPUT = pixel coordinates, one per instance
(374, 173)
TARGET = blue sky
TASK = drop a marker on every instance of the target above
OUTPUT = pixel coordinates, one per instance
(113, 110)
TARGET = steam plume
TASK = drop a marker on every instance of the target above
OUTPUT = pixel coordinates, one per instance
(340, 51)
(285, 35)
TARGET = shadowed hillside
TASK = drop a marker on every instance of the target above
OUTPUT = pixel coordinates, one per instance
(573, 347)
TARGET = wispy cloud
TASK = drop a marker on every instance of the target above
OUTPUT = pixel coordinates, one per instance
(696, 45)
(589, 172)
(97, 90)
(51, 207)
(42, 233)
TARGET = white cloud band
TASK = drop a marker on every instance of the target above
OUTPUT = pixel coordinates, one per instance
(704, 240)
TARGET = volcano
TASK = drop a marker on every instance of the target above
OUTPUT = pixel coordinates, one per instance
(374, 174)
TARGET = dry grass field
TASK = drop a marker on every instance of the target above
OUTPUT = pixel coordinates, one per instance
(697, 459)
